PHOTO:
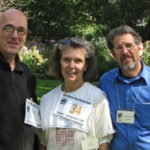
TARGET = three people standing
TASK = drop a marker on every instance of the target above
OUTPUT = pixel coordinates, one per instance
(76, 112)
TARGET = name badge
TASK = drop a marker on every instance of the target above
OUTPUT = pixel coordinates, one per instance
(73, 108)
(32, 116)
(90, 143)
(124, 116)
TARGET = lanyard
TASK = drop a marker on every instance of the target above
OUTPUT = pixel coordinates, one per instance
(135, 98)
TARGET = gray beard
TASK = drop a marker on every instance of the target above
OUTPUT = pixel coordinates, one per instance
(130, 67)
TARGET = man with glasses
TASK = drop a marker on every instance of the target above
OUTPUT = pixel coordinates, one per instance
(128, 90)
(17, 83)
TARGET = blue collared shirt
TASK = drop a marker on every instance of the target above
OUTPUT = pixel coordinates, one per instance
(130, 91)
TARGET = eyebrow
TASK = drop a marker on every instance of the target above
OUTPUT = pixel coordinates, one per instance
(13, 26)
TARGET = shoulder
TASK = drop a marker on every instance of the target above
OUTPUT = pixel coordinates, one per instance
(51, 94)
(91, 87)
(108, 77)
(25, 68)
(109, 74)
(93, 92)
(147, 68)
(49, 100)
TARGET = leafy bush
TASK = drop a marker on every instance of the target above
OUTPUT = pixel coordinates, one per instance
(87, 31)
(37, 56)
(32, 57)
(146, 54)
(43, 48)
(104, 60)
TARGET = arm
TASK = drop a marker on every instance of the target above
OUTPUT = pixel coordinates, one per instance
(42, 139)
(103, 124)
(42, 147)
(104, 146)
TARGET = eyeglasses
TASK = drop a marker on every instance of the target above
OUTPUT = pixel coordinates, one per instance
(10, 29)
(128, 46)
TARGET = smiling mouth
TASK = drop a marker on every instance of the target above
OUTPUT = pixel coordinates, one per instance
(12, 43)
(128, 58)
(71, 73)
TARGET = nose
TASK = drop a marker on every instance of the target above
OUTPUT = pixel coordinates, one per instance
(71, 64)
(14, 34)
(124, 49)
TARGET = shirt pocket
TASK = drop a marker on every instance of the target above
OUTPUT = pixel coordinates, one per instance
(143, 114)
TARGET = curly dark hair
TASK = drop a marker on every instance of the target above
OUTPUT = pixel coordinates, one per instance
(55, 68)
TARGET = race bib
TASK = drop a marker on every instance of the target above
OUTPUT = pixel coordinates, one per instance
(32, 116)
(73, 108)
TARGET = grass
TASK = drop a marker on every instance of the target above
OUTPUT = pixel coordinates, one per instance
(44, 86)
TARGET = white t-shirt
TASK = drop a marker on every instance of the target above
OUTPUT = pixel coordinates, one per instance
(69, 118)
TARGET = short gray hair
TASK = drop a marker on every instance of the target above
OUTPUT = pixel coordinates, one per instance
(123, 29)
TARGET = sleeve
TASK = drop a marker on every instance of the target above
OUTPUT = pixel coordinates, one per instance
(105, 139)
(34, 88)
(42, 132)
(31, 82)
(102, 120)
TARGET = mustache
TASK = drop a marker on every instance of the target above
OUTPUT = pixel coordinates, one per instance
(126, 56)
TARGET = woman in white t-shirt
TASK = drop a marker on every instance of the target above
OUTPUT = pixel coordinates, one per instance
(75, 115)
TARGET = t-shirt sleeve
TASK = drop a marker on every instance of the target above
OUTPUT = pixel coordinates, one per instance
(103, 123)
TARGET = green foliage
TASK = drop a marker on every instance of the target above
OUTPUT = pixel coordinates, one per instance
(87, 31)
(146, 54)
(105, 61)
(51, 19)
(117, 12)
(34, 60)
(37, 56)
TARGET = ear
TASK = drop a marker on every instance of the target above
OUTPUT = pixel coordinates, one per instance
(112, 54)
(141, 49)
